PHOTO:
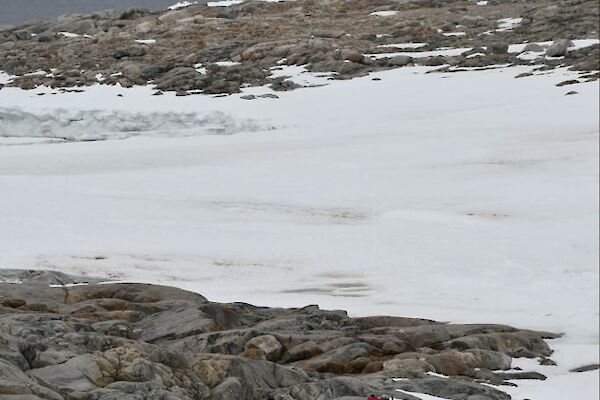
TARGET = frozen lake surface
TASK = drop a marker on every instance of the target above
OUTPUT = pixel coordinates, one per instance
(465, 197)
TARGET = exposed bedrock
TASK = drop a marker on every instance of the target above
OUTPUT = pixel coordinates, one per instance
(138, 341)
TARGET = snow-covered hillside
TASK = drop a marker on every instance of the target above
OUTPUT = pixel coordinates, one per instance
(468, 197)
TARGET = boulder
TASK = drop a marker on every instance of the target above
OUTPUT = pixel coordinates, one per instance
(338, 360)
(488, 359)
(328, 34)
(133, 51)
(559, 48)
(451, 363)
(78, 27)
(302, 351)
(268, 345)
(145, 27)
(497, 48)
(352, 55)
(534, 47)
(181, 78)
(400, 61)
(413, 365)
(80, 374)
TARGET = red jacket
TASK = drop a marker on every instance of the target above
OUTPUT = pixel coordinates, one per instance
(374, 398)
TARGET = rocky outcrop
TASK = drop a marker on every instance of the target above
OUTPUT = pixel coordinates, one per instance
(133, 341)
(214, 50)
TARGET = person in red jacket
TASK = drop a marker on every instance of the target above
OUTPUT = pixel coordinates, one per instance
(373, 397)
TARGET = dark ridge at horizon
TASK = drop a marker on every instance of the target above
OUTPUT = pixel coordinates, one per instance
(15, 12)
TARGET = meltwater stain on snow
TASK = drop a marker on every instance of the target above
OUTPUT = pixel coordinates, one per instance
(63, 125)
(337, 284)
(350, 289)
(329, 214)
(341, 275)
(487, 215)
(236, 263)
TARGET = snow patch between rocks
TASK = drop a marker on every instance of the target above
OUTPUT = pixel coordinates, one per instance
(445, 52)
(146, 41)
(507, 24)
(5, 78)
(384, 13)
(301, 76)
(227, 3)
(411, 45)
(181, 4)
(451, 34)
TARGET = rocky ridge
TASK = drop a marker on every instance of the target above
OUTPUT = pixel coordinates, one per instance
(60, 339)
(216, 50)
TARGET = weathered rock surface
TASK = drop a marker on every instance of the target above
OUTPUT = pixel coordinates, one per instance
(183, 50)
(136, 341)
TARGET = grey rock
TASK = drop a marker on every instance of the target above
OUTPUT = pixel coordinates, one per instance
(559, 48)
(488, 359)
(586, 368)
(497, 48)
(302, 351)
(145, 27)
(174, 324)
(434, 61)
(268, 344)
(408, 364)
(22, 35)
(452, 388)
(400, 61)
(352, 55)
(328, 34)
(268, 96)
(534, 47)
(79, 27)
(78, 374)
(521, 375)
(229, 389)
(12, 380)
(52, 357)
(339, 360)
(133, 51)
(170, 358)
